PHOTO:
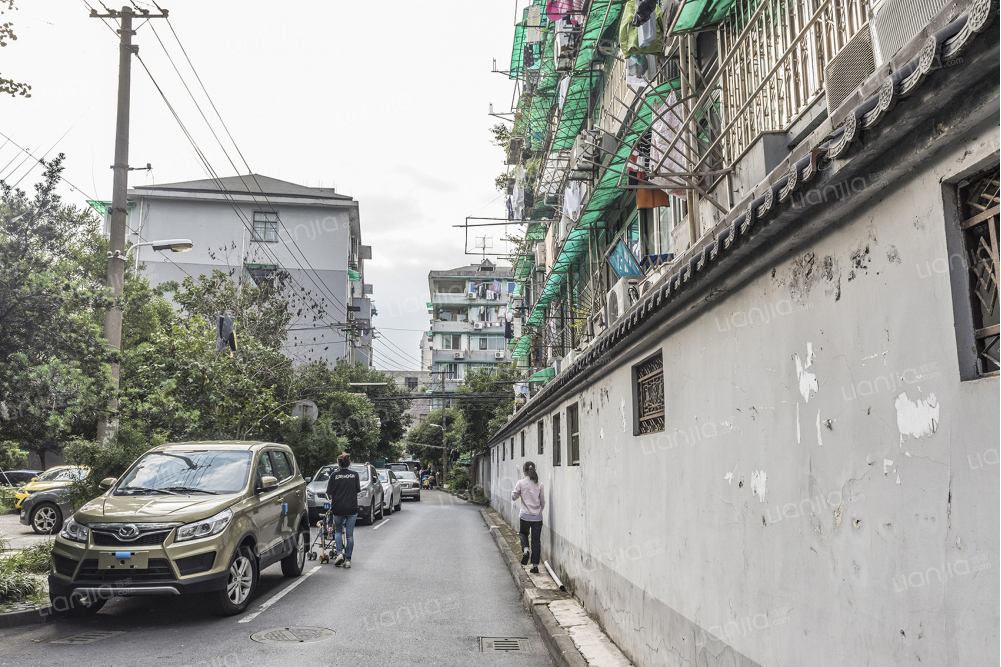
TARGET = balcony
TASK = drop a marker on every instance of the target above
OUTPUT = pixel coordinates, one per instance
(464, 299)
(469, 356)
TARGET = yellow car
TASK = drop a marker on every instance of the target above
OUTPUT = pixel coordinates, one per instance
(52, 478)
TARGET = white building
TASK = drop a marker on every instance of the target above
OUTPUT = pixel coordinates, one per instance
(252, 227)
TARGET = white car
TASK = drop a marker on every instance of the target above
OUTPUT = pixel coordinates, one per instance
(392, 491)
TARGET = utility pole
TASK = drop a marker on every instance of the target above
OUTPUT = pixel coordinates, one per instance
(444, 442)
(118, 223)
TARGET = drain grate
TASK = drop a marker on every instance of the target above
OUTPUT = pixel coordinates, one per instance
(294, 634)
(503, 644)
(87, 637)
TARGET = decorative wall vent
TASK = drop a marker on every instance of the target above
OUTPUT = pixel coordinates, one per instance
(897, 22)
(849, 69)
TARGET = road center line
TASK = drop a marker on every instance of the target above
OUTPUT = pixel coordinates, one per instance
(249, 617)
(382, 523)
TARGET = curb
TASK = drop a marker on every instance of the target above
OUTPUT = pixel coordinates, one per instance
(34, 616)
(559, 643)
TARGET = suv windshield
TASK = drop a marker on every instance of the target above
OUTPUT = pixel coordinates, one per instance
(180, 472)
(362, 472)
(62, 475)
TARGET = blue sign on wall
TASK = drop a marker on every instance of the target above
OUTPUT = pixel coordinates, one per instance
(623, 262)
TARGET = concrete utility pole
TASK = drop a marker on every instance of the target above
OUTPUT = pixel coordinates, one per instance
(119, 195)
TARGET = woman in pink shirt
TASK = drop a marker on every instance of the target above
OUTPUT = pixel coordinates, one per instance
(533, 500)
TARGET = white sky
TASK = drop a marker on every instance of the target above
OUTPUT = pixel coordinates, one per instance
(386, 101)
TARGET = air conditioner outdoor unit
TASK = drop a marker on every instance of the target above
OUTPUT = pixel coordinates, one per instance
(457, 355)
(619, 299)
(590, 148)
(566, 223)
(499, 354)
(564, 52)
(477, 325)
(540, 254)
(897, 22)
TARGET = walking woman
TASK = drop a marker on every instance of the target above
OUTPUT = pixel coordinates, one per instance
(533, 501)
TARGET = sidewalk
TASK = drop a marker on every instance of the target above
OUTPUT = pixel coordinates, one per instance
(573, 638)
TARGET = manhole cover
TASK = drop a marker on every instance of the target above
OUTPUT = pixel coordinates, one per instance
(300, 635)
(87, 637)
(503, 644)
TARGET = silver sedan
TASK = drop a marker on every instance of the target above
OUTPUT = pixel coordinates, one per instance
(392, 491)
(409, 485)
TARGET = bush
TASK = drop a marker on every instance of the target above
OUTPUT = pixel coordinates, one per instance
(314, 444)
(457, 479)
(11, 456)
(15, 586)
(109, 460)
(31, 560)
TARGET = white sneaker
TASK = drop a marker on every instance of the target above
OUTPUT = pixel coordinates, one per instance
(339, 560)
(347, 564)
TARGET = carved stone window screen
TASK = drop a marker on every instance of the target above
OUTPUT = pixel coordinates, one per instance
(981, 207)
(650, 395)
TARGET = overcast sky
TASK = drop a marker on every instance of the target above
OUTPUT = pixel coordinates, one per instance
(386, 101)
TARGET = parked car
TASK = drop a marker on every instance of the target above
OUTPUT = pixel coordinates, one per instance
(52, 478)
(370, 497)
(17, 477)
(392, 491)
(194, 517)
(45, 510)
(404, 466)
(410, 486)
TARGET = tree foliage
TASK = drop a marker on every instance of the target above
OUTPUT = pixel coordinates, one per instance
(9, 86)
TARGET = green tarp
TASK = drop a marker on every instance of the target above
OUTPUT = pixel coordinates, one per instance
(518, 45)
(696, 15)
(545, 375)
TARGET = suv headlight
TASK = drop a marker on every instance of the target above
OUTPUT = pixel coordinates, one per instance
(74, 532)
(310, 495)
(206, 527)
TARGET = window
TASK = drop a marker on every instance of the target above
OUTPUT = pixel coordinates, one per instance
(260, 273)
(264, 466)
(482, 343)
(451, 342)
(282, 469)
(451, 371)
(542, 436)
(411, 383)
(265, 227)
(979, 211)
(510, 288)
(556, 439)
(573, 436)
(512, 449)
(648, 395)
(523, 444)
(503, 449)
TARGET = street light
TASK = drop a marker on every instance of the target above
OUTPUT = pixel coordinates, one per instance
(173, 245)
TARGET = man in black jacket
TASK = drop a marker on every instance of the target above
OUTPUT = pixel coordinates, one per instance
(343, 488)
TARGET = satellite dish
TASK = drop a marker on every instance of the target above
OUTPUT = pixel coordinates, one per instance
(306, 408)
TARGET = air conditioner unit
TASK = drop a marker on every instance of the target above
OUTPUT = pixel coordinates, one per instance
(471, 296)
(897, 22)
(564, 51)
(847, 70)
(477, 325)
(499, 354)
(540, 255)
(599, 321)
(589, 150)
(457, 355)
(566, 223)
(619, 298)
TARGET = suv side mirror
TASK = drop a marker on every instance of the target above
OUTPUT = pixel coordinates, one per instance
(268, 482)
(308, 479)
(107, 483)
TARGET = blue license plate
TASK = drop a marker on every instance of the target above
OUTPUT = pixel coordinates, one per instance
(326, 506)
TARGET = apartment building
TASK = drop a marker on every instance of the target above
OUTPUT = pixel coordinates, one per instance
(762, 277)
(470, 327)
(260, 230)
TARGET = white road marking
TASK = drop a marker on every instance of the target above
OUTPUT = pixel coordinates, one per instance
(249, 617)
(382, 523)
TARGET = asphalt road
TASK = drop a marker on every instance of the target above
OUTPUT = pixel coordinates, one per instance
(19, 535)
(424, 585)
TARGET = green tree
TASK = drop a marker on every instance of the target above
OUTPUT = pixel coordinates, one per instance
(424, 441)
(9, 86)
(314, 443)
(483, 418)
(54, 382)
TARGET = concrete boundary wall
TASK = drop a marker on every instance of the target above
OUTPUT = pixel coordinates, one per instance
(826, 488)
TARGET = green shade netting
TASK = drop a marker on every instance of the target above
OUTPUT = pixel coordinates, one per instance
(518, 45)
(606, 194)
(601, 23)
(545, 375)
(354, 276)
(523, 348)
(697, 14)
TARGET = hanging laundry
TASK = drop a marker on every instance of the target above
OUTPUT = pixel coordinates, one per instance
(644, 10)
(510, 209)
(497, 286)
(666, 126)
(533, 25)
(529, 57)
(556, 9)
(572, 198)
(629, 38)
(646, 33)
(519, 202)
(564, 87)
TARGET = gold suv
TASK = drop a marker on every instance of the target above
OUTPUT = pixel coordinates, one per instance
(193, 517)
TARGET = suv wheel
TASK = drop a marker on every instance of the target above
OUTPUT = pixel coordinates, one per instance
(242, 582)
(46, 519)
(369, 518)
(382, 511)
(293, 563)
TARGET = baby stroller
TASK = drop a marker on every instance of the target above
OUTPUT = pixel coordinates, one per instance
(325, 538)
(426, 482)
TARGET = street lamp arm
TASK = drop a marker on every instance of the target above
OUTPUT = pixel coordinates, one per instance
(173, 245)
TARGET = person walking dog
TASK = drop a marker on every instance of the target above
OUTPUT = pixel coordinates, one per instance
(343, 488)
(533, 501)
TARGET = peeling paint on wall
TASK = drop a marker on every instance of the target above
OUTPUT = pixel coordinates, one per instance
(919, 418)
(758, 478)
(820, 437)
(799, 438)
(807, 381)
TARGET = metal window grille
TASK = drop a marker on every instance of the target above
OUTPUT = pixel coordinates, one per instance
(556, 440)
(980, 203)
(542, 437)
(573, 435)
(523, 444)
(649, 380)
(265, 227)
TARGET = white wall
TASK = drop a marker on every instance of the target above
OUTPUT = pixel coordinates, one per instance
(775, 524)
